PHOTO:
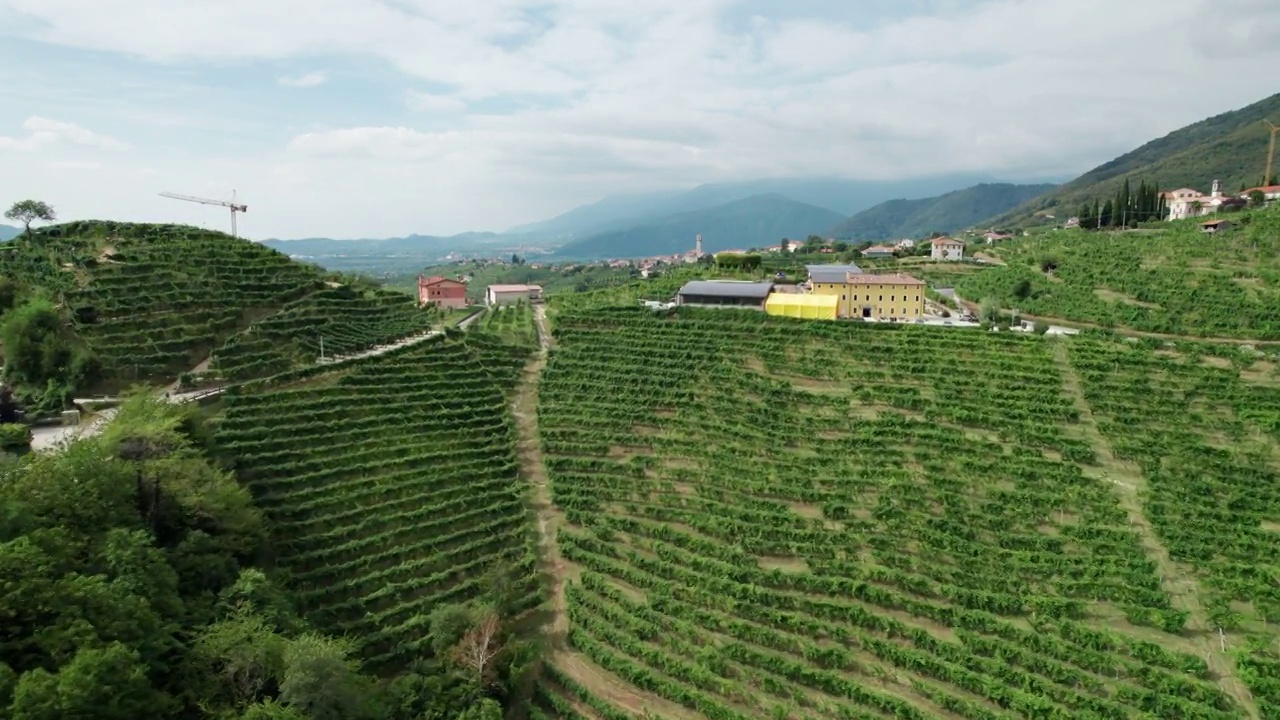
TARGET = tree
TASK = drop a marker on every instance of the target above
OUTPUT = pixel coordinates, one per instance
(480, 646)
(1257, 197)
(109, 683)
(28, 211)
(321, 681)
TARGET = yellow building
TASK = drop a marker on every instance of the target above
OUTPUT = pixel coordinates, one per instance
(809, 307)
(880, 297)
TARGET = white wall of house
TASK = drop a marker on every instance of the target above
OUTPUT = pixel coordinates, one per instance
(947, 251)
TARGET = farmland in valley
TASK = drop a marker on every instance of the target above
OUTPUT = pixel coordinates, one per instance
(1168, 279)
(386, 504)
(766, 518)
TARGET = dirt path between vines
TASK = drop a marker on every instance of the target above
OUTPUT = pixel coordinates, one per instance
(1129, 485)
(598, 681)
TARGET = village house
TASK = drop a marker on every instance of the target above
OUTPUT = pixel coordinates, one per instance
(993, 237)
(1214, 226)
(1072, 222)
(870, 296)
(496, 295)
(878, 251)
(1269, 192)
(946, 248)
(906, 244)
(1188, 203)
(441, 292)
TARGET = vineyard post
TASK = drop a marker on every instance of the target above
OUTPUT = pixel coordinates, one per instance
(1222, 640)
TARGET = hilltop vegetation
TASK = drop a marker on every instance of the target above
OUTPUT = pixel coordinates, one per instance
(100, 305)
(1230, 147)
(947, 213)
(1170, 278)
(768, 518)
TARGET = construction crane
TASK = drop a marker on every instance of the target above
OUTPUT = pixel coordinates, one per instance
(235, 208)
(1271, 151)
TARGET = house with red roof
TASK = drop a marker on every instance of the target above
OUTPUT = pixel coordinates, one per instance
(441, 291)
(947, 248)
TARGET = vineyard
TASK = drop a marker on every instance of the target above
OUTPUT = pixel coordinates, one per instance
(788, 519)
(391, 489)
(152, 301)
(1171, 279)
(346, 320)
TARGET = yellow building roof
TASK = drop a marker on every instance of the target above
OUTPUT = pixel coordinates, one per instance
(798, 300)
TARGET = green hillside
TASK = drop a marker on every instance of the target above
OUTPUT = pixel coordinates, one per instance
(101, 305)
(767, 518)
(947, 213)
(1230, 147)
(1168, 279)
(346, 319)
(753, 222)
(385, 506)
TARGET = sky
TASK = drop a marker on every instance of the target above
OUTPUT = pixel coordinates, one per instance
(376, 118)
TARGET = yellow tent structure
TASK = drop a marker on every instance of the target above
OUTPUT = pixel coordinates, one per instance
(809, 307)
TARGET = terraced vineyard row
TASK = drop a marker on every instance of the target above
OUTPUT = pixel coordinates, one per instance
(391, 489)
(776, 518)
(1198, 435)
(345, 319)
(1170, 279)
(151, 300)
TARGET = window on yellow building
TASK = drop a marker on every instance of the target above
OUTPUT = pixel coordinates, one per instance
(843, 297)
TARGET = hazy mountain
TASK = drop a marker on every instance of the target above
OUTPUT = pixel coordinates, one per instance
(8, 232)
(1231, 147)
(621, 212)
(755, 221)
(391, 254)
(945, 213)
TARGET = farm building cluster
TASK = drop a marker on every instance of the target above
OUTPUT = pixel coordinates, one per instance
(831, 292)
(449, 293)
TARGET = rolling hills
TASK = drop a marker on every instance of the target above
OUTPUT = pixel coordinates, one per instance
(1230, 147)
(8, 232)
(946, 213)
(1171, 279)
(751, 222)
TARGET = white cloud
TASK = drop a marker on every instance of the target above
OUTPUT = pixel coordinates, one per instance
(43, 133)
(74, 165)
(432, 102)
(307, 80)
(393, 143)
(543, 103)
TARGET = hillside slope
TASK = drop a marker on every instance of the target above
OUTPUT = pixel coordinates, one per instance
(1005, 525)
(8, 232)
(1230, 147)
(1171, 279)
(392, 490)
(754, 221)
(144, 303)
(947, 213)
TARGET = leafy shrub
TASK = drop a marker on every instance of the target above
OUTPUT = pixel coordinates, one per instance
(14, 436)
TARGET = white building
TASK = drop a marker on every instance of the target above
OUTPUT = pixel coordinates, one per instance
(1187, 202)
(945, 248)
(495, 295)
(906, 243)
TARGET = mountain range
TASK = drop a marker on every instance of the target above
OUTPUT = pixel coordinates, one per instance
(751, 222)
(947, 213)
(8, 232)
(1231, 147)
(846, 197)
